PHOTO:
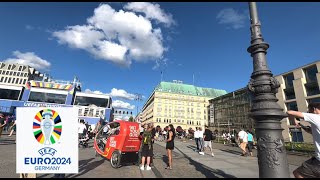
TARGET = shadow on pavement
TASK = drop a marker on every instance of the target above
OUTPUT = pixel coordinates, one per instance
(231, 151)
(86, 166)
(205, 170)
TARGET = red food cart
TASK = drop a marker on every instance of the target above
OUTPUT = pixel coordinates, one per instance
(119, 142)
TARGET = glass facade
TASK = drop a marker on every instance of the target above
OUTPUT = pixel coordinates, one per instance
(289, 90)
(312, 86)
(231, 111)
(9, 94)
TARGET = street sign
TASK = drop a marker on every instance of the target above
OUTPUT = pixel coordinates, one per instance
(47, 140)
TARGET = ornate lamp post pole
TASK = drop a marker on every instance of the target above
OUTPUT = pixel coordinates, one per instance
(265, 111)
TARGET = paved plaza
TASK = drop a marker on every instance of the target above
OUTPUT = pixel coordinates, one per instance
(227, 163)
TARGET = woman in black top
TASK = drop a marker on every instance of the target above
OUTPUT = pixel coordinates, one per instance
(170, 144)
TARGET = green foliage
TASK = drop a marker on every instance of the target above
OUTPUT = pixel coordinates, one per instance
(131, 119)
(300, 147)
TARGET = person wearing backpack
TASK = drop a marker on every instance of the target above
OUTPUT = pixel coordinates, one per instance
(147, 150)
(207, 136)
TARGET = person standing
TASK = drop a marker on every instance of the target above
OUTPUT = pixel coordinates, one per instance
(196, 138)
(250, 142)
(81, 128)
(311, 167)
(200, 141)
(207, 136)
(170, 145)
(2, 123)
(243, 139)
(147, 150)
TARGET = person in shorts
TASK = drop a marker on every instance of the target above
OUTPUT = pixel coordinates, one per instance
(207, 136)
(311, 167)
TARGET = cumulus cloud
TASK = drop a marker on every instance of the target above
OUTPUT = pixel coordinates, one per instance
(120, 36)
(29, 58)
(115, 93)
(122, 105)
(120, 93)
(93, 92)
(232, 18)
(151, 11)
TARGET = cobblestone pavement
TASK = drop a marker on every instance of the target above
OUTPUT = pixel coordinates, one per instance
(186, 163)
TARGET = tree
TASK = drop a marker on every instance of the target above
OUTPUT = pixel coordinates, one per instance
(131, 119)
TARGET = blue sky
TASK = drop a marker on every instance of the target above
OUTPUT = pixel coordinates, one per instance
(121, 48)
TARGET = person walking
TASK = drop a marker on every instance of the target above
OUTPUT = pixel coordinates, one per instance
(200, 141)
(250, 142)
(207, 136)
(13, 128)
(243, 140)
(2, 123)
(196, 138)
(311, 167)
(147, 150)
(170, 145)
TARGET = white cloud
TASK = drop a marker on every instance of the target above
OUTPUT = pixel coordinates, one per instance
(159, 64)
(122, 105)
(29, 58)
(115, 93)
(119, 36)
(232, 18)
(152, 11)
(120, 93)
(94, 92)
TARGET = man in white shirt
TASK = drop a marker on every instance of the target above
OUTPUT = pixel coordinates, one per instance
(81, 128)
(196, 138)
(201, 142)
(311, 167)
(243, 139)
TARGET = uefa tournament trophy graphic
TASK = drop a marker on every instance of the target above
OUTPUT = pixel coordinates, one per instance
(47, 126)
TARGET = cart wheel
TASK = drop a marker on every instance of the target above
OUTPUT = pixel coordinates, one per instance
(115, 159)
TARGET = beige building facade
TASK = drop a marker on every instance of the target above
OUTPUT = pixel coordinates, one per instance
(298, 88)
(178, 104)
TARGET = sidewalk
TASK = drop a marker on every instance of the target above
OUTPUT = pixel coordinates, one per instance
(224, 163)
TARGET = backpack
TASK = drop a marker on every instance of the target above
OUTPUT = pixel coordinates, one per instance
(147, 138)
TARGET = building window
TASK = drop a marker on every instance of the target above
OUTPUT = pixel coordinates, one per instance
(13, 80)
(9, 67)
(9, 81)
(20, 67)
(20, 81)
(7, 73)
(293, 107)
(5, 80)
(14, 73)
(313, 100)
(0, 71)
(1, 79)
(25, 74)
(3, 72)
(312, 86)
(296, 134)
(18, 73)
(11, 73)
(289, 91)
(24, 81)
(310, 73)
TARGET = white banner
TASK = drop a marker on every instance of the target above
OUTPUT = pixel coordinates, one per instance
(47, 140)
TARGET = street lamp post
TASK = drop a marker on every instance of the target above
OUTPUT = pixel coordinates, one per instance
(138, 97)
(265, 111)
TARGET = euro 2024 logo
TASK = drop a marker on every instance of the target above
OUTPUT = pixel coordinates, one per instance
(47, 128)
